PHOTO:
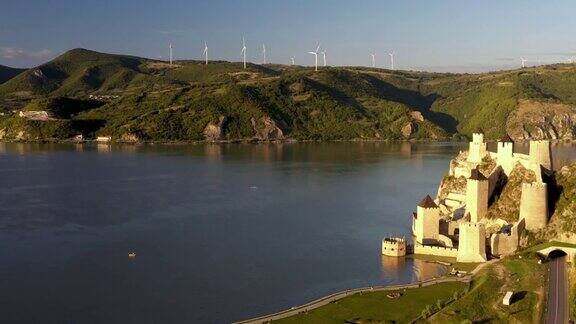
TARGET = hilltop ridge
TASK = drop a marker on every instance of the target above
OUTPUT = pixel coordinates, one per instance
(148, 99)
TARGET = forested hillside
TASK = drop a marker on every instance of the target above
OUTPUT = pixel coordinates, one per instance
(135, 99)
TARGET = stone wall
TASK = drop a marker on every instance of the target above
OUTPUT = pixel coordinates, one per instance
(505, 243)
(435, 250)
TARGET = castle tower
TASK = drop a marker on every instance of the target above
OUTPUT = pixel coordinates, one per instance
(505, 154)
(534, 205)
(477, 149)
(472, 243)
(427, 221)
(541, 153)
(477, 195)
(394, 246)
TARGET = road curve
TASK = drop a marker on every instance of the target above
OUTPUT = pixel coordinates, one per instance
(557, 312)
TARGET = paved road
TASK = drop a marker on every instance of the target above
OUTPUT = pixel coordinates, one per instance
(557, 312)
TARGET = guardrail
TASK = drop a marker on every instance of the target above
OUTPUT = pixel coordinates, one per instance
(339, 295)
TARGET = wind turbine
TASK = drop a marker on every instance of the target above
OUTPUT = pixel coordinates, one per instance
(315, 53)
(391, 60)
(523, 60)
(324, 56)
(243, 53)
(264, 53)
(206, 52)
(373, 59)
(170, 46)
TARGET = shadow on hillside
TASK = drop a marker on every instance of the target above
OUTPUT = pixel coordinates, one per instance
(415, 100)
(341, 96)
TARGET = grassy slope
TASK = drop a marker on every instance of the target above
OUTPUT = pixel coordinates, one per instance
(376, 307)
(484, 301)
(165, 103)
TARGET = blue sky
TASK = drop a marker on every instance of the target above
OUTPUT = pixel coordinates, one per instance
(459, 36)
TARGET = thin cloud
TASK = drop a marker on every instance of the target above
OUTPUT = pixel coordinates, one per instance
(11, 53)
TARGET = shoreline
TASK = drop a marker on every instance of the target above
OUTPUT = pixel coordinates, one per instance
(257, 141)
(319, 302)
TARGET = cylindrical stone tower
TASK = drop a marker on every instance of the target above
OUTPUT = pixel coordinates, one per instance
(541, 153)
(534, 205)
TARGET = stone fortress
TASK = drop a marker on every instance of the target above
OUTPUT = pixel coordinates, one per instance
(456, 223)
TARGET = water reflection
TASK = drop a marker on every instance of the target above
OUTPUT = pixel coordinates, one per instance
(395, 269)
(103, 148)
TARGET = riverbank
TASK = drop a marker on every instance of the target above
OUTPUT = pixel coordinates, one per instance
(476, 296)
(440, 287)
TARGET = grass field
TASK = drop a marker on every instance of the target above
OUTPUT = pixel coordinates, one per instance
(376, 307)
(480, 302)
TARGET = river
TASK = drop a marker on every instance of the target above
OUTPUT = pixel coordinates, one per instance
(220, 232)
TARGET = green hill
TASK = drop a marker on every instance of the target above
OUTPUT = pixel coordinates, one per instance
(150, 100)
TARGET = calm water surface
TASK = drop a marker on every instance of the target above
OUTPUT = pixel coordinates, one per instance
(222, 233)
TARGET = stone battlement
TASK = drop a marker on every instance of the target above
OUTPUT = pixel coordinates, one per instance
(394, 246)
(471, 225)
(537, 185)
(435, 250)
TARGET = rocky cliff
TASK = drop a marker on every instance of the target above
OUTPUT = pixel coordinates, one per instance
(542, 120)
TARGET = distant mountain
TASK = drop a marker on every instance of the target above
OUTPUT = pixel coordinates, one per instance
(7, 73)
(145, 99)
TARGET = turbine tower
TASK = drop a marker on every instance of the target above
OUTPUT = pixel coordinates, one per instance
(391, 60)
(324, 56)
(243, 53)
(523, 60)
(315, 53)
(264, 53)
(206, 52)
(373, 59)
(170, 46)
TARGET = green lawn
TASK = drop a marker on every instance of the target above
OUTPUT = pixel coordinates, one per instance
(377, 307)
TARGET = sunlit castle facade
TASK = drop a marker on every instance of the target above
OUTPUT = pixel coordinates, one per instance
(455, 224)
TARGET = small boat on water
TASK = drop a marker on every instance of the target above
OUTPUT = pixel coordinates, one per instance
(131, 254)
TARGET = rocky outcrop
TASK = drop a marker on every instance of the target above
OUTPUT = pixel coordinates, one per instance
(416, 115)
(408, 129)
(36, 115)
(542, 120)
(131, 138)
(266, 129)
(215, 132)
